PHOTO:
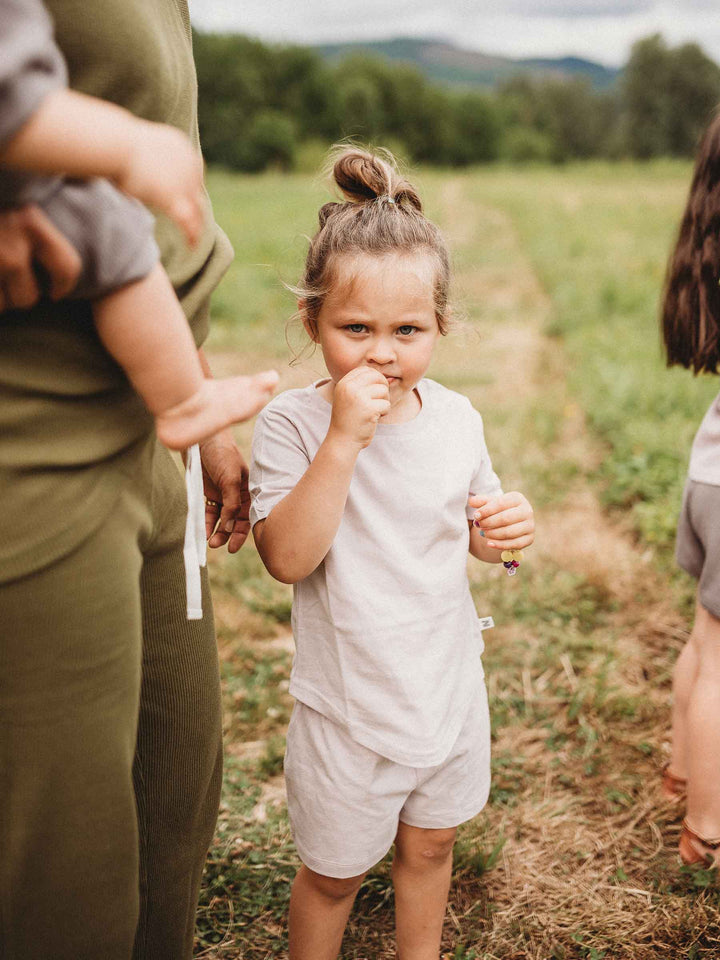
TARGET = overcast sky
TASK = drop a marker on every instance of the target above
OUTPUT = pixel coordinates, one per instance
(601, 30)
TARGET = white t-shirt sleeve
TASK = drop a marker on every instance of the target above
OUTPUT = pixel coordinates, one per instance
(279, 460)
(485, 482)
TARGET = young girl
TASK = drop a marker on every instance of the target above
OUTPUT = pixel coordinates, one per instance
(367, 489)
(691, 329)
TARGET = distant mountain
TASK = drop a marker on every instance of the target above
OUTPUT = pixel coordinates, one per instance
(444, 62)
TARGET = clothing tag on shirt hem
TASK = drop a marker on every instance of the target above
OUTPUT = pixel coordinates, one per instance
(486, 623)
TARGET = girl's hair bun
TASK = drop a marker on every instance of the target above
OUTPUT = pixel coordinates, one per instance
(326, 211)
(380, 215)
(364, 176)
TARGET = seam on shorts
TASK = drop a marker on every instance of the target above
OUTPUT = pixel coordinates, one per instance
(457, 819)
(311, 861)
(711, 609)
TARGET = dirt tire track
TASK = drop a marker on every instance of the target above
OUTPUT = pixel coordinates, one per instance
(535, 895)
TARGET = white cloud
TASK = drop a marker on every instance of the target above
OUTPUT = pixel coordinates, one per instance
(602, 30)
(577, 9)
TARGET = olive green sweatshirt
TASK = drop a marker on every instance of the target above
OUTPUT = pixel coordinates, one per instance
(69, 421)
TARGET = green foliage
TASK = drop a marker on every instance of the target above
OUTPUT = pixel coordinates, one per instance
(271, 763)
(469, 857)
(668, 97)
(477, 125)
(526, 145)
(270, 142)
(554, 120)
(247, 882)
(599, 237)
(259, 103)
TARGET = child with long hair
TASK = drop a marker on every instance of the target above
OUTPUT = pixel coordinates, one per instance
(691, 331)
(368, 488)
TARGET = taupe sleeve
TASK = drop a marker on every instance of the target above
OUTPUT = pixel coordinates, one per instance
(31, 65)
(113, 234)
(279, 459)
(485, 481)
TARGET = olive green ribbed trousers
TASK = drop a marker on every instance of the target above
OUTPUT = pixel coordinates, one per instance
(110, 739)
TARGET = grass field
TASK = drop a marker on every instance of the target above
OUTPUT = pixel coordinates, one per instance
(558, 274)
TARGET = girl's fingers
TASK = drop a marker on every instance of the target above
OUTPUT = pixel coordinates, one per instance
(502, 519)
(511, 532)
(518, 543)
(504, 502)
(378, 391)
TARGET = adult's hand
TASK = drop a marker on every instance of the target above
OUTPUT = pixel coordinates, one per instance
(27, 237)
(225, 477)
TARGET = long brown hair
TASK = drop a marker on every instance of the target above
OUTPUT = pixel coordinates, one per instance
(691, 302)
(382, 214)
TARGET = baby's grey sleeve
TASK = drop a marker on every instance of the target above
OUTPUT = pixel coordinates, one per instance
(113, 233)
(31, 65)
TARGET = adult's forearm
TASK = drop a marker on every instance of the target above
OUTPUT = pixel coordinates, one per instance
(295, 538)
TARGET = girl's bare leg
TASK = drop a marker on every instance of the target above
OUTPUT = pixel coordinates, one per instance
(319, 911)
(144, 328)
(421, 875)
(702, 731)
(684, 676)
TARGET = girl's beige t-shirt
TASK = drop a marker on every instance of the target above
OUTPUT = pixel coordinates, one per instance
(387, 637)
(705, 452)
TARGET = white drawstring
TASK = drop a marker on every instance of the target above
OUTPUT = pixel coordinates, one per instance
(195, 548)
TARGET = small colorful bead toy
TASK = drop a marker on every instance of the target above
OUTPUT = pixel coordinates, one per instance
(511, 560)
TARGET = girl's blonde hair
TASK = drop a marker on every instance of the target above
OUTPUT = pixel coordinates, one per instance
(381, 214)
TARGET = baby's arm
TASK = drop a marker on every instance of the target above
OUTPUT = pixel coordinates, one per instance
(502, 522)
(144, 328)
(297, 534)
(46, 128)
(80, 136)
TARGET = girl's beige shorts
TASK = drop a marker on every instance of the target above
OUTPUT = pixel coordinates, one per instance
(697, 549)
(345, 801)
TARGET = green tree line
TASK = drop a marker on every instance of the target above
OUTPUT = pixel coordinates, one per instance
(263, 105)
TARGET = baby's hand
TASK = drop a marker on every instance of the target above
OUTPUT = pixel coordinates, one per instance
(164, 171)
(506, 521)
(359, 400)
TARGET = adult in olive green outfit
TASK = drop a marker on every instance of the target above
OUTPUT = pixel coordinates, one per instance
(110, 749)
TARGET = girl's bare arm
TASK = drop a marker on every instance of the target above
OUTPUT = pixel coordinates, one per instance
(294, 539)
(81, 136)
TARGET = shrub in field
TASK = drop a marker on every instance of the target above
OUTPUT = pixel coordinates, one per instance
(668, 96)
(525, 145)
(271, 142)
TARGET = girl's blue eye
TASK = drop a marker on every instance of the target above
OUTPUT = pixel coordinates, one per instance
(356, 327)
(406, 330)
